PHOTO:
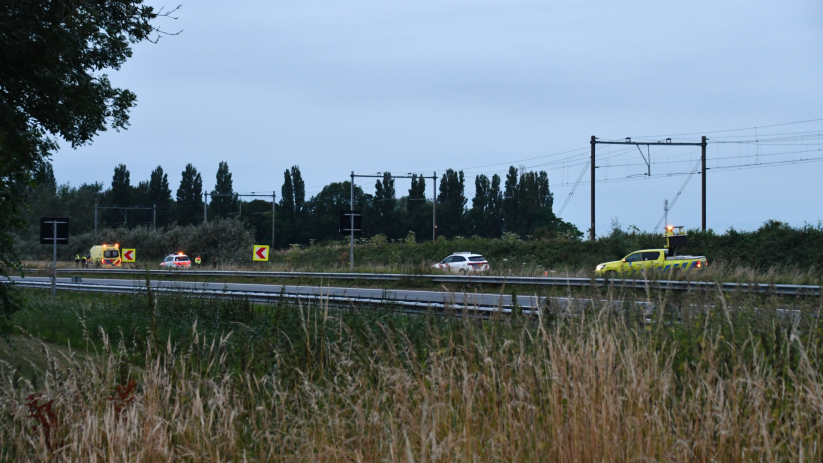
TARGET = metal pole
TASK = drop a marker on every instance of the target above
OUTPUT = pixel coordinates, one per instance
(54, 261)
(205, 203)
(703, 162)
(592, 169)
(434, 206)
(351, 216)
(272, 221)
(665, 213)
(154, 216)
(95, 219)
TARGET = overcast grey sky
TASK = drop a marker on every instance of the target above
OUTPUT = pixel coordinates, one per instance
(428, 85)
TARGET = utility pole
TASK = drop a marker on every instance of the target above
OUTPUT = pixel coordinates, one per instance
(154, 216)
(205, 205)
(53, 223)
(665, 212)
(351, 217)
(667, 142)
(54, 261)
(272, 221)
(95, 219)
(592, 170)
(434, 206)
(703, 176)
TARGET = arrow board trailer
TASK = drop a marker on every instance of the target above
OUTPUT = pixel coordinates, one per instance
(261, 253)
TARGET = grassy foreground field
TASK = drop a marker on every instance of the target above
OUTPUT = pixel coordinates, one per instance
(704, 378)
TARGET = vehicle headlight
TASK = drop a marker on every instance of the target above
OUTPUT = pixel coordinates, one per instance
(600, 267)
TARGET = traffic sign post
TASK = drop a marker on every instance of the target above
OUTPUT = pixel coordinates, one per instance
(261, 253)
(54, 231)
(129, 255)
(351, 221)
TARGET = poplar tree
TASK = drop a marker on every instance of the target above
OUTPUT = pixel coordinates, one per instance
(120, 192)
(286, 233)
(418, 217)
(160, 195)
(452, 204)
(384, 204)
(494, 210)
(190, 197)
(299, 189)
(221, 205)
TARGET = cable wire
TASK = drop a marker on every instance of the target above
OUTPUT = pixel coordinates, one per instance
(573, 188)
(678, 194)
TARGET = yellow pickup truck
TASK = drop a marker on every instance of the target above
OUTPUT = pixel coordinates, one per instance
(655, 260)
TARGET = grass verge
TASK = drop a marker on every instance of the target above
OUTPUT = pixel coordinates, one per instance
(705, 377)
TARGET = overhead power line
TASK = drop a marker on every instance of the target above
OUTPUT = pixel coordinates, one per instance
(736, 130)
(683, 187)
(580, 177)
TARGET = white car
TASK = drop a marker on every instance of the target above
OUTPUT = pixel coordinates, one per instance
(173, 261)
(463, 263)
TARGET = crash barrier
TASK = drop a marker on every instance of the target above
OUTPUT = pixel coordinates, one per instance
(409, 306)
(672, 285)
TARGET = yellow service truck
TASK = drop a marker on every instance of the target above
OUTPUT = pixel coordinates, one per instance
(664, 260)
(106, 256)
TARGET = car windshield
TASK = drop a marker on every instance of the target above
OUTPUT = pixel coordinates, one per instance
(477, 258)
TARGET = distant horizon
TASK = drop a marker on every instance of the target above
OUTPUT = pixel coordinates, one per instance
(625, 227)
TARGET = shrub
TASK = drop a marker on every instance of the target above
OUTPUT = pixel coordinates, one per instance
(226, 239)
(378, 240)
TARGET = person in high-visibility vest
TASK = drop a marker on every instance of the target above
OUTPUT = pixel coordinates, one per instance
(77, 260)
(197, 260)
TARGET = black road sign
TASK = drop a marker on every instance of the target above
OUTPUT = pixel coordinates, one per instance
(47, 225)
(345, 222)
(678, 241)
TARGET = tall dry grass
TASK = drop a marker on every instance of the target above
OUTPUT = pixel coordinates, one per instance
(595, 386)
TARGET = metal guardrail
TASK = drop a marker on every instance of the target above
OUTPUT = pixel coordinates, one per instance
(405, 305)
(673, 285)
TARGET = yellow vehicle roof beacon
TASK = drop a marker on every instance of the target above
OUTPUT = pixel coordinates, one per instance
(675, 238)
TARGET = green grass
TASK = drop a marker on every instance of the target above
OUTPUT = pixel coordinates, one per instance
(705, 377)
(81, 319)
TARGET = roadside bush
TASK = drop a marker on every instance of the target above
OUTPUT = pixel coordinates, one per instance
(226, 239)
(774, 245)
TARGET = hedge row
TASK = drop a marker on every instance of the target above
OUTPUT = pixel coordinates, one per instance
(226, 239)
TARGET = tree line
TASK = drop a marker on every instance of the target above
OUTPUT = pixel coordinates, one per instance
(520, 204)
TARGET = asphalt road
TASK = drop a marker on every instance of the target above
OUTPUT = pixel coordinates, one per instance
(485, 300)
